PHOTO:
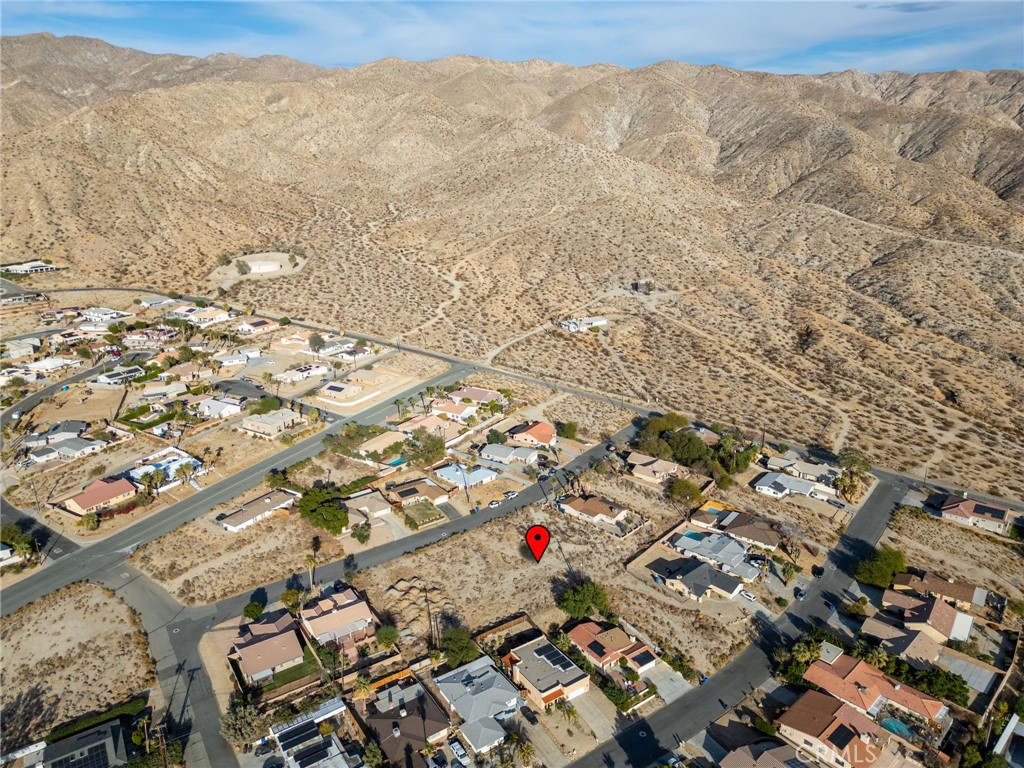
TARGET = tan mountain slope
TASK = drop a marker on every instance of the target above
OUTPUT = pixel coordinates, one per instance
(828, 263)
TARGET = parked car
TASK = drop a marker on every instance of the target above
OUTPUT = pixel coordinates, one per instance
(837, 504)
(440, 760)
(530, 715)
(494, 504)
(801, 594)
(748, 596)
(457, 749)
(264, 749)
(511, 494)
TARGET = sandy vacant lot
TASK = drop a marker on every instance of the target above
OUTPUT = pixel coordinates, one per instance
(200, 562)
(485, 575)
(957, 552)
(52, 675)
(594, 419)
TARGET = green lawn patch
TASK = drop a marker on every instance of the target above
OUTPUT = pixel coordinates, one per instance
(299, 671)
(422, 513)
(132, 708)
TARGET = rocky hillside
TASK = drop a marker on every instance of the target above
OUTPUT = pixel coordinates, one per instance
(463, 203)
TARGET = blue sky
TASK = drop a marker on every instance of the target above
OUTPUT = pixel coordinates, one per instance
(787, 37)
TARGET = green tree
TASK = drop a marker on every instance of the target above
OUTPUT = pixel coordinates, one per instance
(788, 571)
(265, 404)
(527, 754)
(316, 343)
(423, 449)
(583, 599)
(90, 521)
(387, 636)
(971, 756)
(253, 610)
(242, 266)
(687, 447)
(361, 532)
(685, 492)
(292, 599)
(372, 756)
(458, 647)
(568, 429)
(879, 569)
(494, 437)
(242, 723)
(322, 507)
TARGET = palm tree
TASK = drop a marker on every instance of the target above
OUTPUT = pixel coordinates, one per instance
(311, 564)
(398, 405)
(562, 642)
(527, 754)
(430, 750)
(571, 714)
(363, 690)
(805, 652)
(505, 759)
(267, 377)
(183, 473)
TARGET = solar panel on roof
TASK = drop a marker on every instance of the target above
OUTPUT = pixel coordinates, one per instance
(842, 736)
(311, 756)
(292, 737)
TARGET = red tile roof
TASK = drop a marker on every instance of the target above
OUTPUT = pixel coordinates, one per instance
(858, 683)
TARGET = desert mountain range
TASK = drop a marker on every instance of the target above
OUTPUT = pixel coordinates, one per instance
(837, 258)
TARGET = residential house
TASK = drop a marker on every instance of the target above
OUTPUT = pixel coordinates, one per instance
(457, 411)
(257, 509)
(403, 719)
(148, 337)
(960, 593)
(461, 477)
(368, 378)
(299, 338)
(8, 375)
(593, 509)
(419, 490)
(166, 463)
(868, 689)
(267, 646)
(778, 486)
(63, 430)
(584, 324)
(241, 357)
(157, 301)
(100, 495)
(694, 579)
(338, 392)
(257, 326)
(7, 556)
(939, 620)
(29, 268)
(101, 745)
(352, 352)
(604, 647)
(972, 512)
(370, 503)
(303, 372)
(204, 318)
(916, 648)
(709, 438)
(805, 470)
(68, 450)
(450, 431)
(380, 443)
(341, 618)
(53, 364)
(650, 469)
(13, 295)
(120, 375)
(16, 348)
(538, 434)
(741, 526)
(545, 674)
(508, 454)
(764, 754)
(476, 395)
(220, 407)
(272, 424)
(833, 733)
(303, 746)
(104, 315)
(718, 550)
(186, 372)
(483, 698)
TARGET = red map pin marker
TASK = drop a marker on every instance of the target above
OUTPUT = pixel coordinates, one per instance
(537, 539)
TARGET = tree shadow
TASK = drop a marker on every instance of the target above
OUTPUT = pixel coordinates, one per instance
(259, 595)
(295, 581)
(26, 716)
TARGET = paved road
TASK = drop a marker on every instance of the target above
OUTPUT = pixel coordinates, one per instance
(51, 542)
(644, 742)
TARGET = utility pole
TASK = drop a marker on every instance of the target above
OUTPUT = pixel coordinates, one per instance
(159, 728)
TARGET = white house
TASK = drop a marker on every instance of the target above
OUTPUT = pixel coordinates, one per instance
(52, 364)
(222, 407)
(482, 697)
(104, 314)
(29, 268)
(259, 508)
(257, 326)
(778, 485)
(816, 473)
(457, 411)
(167, 462)
(9, 374)
(461, 477)
(301, 373)
(120, 375)
(21, 347)
(507, 454)
(7, 556)
(584, 324)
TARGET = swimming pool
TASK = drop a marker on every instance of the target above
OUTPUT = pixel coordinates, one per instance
(694, 535)
(901, 729)
(396, 462)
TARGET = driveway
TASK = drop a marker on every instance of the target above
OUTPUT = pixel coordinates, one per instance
(548, 752)
(671, 685)
(592, 715)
